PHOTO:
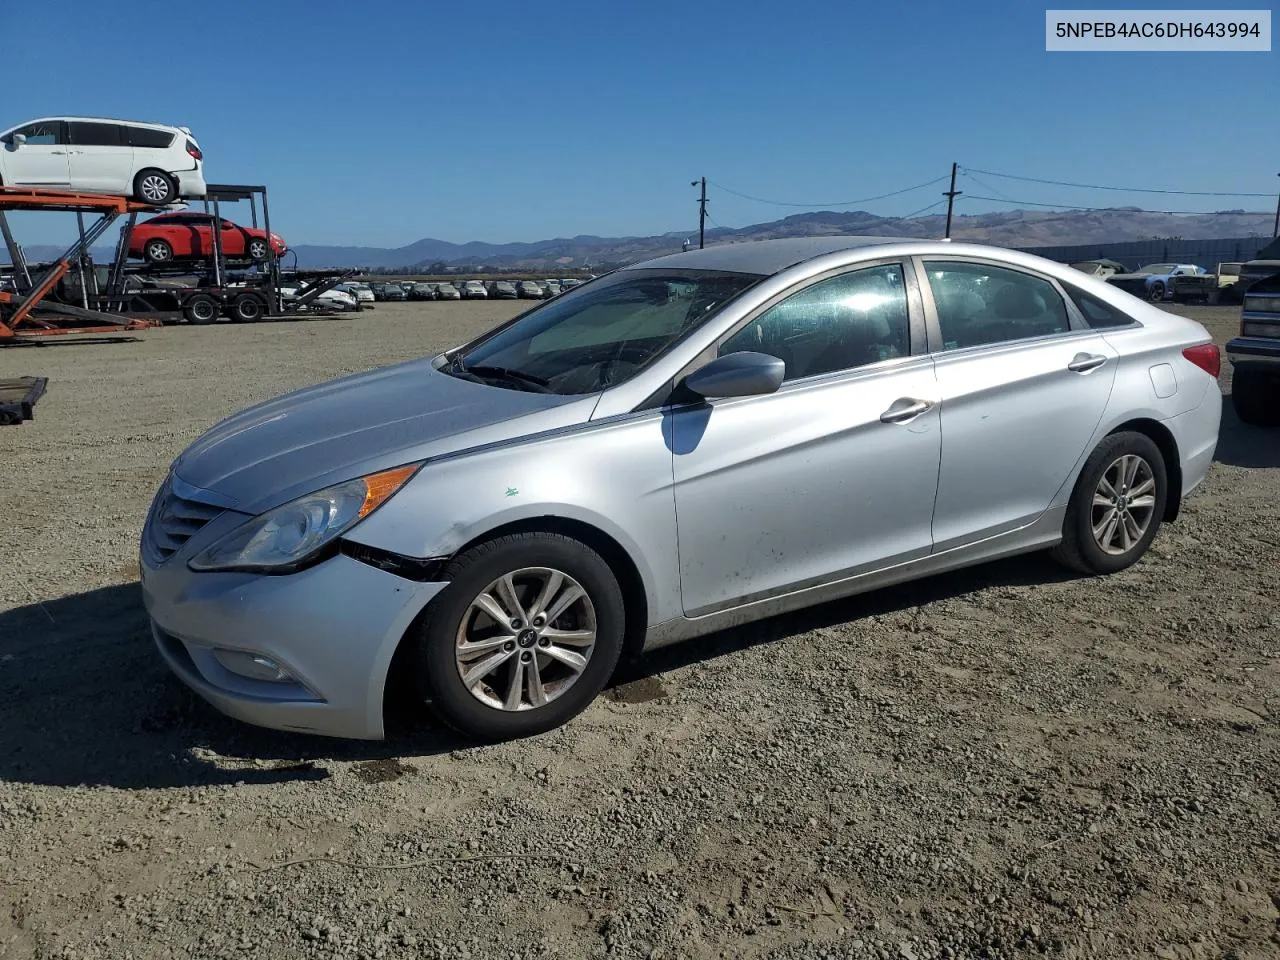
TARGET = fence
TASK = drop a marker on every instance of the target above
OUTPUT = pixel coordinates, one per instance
(1138, 253)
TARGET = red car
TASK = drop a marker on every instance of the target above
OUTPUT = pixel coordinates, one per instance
(183, 235)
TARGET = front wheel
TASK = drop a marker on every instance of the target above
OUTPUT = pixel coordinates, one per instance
(1116, 507)
(1155, 293)
(258, 249)
(525, 636)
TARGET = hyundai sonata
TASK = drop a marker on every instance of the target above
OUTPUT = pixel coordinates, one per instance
(676, 447)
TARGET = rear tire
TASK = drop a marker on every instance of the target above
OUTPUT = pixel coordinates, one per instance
(201, 309)
(454, 617)
(247, 308)
(1116, 506)
(1256, 398)
(154, 187)
(157, 251)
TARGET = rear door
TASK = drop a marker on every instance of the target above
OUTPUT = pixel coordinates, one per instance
(39, 162)
(1023, 383)
(101, 157)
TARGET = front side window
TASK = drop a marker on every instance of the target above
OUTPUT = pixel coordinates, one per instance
(601, 335)
(85, 134)
(45, 133)
(981, 304)
(836, 324)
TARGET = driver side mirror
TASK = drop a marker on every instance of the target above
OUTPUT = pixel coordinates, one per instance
(18, 139)
(742, 374)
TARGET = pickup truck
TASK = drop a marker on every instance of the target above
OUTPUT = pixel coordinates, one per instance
(1168, 281)
(1255, 355)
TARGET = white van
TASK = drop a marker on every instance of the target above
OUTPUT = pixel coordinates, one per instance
(150, 162)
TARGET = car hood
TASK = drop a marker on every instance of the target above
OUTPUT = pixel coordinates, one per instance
(332, 432)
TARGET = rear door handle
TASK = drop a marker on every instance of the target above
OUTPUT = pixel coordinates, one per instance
(1084, 362)
(57, 153)
(905, 409)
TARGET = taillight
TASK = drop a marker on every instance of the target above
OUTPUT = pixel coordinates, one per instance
(1207, 357)
(194, 151)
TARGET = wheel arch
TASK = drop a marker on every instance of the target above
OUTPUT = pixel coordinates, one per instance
(634, 596)
(1160, 435)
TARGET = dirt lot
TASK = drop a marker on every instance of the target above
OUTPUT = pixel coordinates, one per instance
(999, 763)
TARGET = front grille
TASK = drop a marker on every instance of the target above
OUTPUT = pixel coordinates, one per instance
(175, 520)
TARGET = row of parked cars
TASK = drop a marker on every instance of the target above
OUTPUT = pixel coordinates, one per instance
(468, 289)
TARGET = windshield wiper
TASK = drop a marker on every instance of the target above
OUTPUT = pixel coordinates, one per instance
(506, 373)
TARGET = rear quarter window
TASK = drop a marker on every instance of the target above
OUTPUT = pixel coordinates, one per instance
(1098, 314)
(155, 139)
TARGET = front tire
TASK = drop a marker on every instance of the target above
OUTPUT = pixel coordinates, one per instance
(525, 636)
(1155, 293)
(155, 188)
(1256, 398)
(258, 250)
(1116, 506)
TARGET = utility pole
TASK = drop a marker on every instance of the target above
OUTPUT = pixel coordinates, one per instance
(702, 213)
(1275, 231)
(951, 198)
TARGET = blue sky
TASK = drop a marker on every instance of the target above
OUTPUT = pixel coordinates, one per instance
(383, 122)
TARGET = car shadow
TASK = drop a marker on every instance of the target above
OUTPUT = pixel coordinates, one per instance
(87, 701)
(1240, 445)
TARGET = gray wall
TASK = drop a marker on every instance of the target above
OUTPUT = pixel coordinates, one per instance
(1138, 253)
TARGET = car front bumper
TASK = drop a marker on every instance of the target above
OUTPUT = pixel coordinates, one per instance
(331, 631)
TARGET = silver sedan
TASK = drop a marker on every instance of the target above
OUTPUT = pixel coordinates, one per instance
(677, 447)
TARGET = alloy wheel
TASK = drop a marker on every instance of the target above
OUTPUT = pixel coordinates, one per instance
(1123, 505)
(525, 639)
(155, 188)
(157, 252)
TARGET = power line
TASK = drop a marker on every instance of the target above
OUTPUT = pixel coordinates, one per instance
(1098, 186)
(1069, 206)
(830, 203)
(986, 186)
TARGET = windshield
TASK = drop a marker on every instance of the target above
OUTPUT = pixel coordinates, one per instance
(1158, 268)
(605, 333)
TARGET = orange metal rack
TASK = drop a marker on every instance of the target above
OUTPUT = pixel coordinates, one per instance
(16, 319)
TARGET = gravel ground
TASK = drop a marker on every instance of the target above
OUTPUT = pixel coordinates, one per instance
(1003, 762)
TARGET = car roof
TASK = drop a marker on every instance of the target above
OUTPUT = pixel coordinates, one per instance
(764, 257)
(132, 123)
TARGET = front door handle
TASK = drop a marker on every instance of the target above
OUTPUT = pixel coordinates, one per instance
(905, 409)
(1084, 362)
(57, 153)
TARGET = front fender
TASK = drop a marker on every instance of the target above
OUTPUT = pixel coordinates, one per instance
(615, 476)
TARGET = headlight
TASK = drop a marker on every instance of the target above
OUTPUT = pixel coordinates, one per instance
(284, 539)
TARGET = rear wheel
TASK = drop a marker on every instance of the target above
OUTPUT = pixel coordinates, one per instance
(157, 251)
(525, 636)
(1116, 507)
(247, 308)
(1256, 397)
(201, 309)
(154, 187)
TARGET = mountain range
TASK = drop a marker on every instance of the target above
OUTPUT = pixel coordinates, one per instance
(1013, 228)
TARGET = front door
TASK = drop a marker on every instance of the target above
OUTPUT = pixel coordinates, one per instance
(39, 162)
(101, 158)
(832, 475)
(1022, 393)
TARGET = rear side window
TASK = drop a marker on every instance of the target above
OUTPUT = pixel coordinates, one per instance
(981, 304)
(1100, 315)
(96, 134)
(156, 139)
